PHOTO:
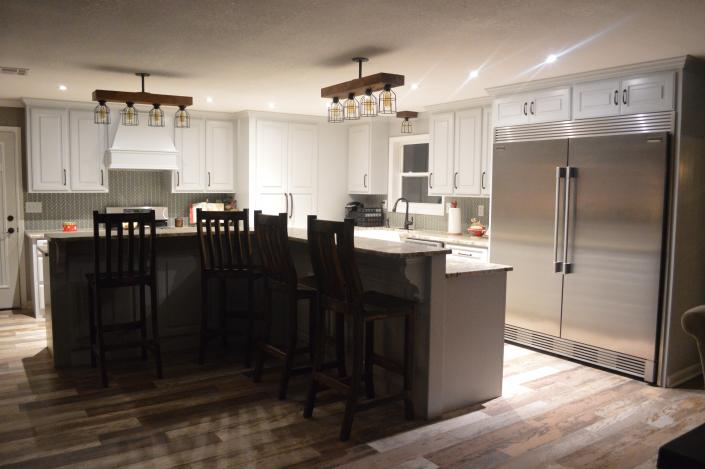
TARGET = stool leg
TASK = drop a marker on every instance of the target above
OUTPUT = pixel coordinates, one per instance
(312, 320)
(351, 405)
(318, 354)
(261, 355)
(250, 335)
(223, 313)
(409, 365)
(143, 321)
(155, 329)
(101, 339)
(369, 360)
(91, 324)
(204, 321)
(340, 343)
(291, 332)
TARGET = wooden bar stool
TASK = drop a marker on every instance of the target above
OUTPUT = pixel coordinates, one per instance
(332, 250)
(226, 254)
(272, 246)
(112, 269)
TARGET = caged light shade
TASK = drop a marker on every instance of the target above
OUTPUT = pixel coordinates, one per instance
(352, 108)
(156, 116)
(129, 115)
(335, 111)
(182, 119)
(387, 101)
(406, 127)
(368, 104)
(101, 113)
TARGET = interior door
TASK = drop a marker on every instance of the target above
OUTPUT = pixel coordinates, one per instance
(611, 296)
(9, 210)
(523, 223)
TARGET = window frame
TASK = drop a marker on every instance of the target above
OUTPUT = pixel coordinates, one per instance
(396, 160)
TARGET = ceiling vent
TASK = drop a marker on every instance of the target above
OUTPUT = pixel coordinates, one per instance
(14, 70)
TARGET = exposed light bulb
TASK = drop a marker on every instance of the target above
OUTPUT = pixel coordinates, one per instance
(62, 88)
(551, 58)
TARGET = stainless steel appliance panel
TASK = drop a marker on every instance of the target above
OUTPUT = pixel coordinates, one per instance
(616, 205)
(524, 230)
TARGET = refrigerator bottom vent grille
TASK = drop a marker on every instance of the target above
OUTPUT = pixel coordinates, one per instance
(628, 364)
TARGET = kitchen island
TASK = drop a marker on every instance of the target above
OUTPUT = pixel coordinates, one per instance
(460, 322)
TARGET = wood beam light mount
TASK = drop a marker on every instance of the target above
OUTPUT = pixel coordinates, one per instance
(407, 114)
(142, 97)
(360, 85)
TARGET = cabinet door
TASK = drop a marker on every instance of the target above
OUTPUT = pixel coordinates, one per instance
(303, 158)
(550, 105)
(88, 146)
(650, 93)
(487, 141)
(440, 155)
(468, 152)
(272, 154)
(191, 145)
(512, 110)
(49, 150)
(220, 157)
(300, 206)
(596, 99)
(359, 147)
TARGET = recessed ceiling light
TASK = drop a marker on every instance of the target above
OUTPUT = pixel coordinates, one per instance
(62, 88)
(271, 105)
(209, 99)
(414, 86)
(551, 58)
(474, 74)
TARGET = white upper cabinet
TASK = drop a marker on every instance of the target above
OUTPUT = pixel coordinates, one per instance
(303, 158)
(220, 157)
(468, 152)
(191, 145)
(272, 156)
(540, 106)
(441, 156)
(368, 157)
(487, 139)
(88, 143)
(647, 93)
(49, 150)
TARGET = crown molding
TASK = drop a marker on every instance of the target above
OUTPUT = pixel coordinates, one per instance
(462, 104)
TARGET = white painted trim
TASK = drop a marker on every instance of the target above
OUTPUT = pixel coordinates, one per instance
(674, 63)
(20, 211)
(459, 105)
(683, 375)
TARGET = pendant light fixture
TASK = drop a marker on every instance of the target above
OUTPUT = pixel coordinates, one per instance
(182, 119)
(129, 115)
(352, 108)
(406, 127)
(335, 111)
(368, 104)
(101, 114)
(156, 116)
(387, 100)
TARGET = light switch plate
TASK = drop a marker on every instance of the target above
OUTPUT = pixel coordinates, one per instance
(33, 207)
(480, 210)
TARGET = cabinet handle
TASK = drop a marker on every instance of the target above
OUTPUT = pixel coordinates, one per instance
(455, 180)
(286, 201)
(178, 179)
(531, 108)
(430, 180)
(291, 215)
(101, 178)
(624, 96)
(525, 104)
(64, 177)
(616, 97)
(364, 181)
(209, 178)
(482, 180)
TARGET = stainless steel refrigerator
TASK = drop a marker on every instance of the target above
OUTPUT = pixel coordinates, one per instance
(582, 221)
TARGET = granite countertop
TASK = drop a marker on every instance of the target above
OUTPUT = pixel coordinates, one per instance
(430, 235)
(457, 266)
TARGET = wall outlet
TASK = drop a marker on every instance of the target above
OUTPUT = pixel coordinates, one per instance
(33, 207)
(480, 210)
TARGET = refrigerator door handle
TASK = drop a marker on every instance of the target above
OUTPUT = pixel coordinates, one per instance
(557, 265)
(570, 173)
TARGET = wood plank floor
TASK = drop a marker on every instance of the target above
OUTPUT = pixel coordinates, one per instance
(554, 413)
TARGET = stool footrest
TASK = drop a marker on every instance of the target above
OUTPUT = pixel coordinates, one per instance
(387, 364)
(126, 345)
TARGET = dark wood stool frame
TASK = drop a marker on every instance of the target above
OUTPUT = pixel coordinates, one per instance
(140, 251)
(332, 250)
(226, 253)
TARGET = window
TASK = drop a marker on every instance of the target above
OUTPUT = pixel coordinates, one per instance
(409, 175)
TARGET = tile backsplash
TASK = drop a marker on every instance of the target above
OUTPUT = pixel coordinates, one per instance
(468, 209)
(127, 188)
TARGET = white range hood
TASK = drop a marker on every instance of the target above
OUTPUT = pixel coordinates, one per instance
(142, 147)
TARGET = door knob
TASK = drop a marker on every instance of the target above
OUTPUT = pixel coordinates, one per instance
(10, 218)
(10, 230)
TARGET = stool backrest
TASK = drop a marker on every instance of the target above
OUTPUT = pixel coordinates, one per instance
(332, 249)
(112, 261)
(224, 239)
(273, 247)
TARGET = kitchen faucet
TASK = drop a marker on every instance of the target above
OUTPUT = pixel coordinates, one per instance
(407, 222)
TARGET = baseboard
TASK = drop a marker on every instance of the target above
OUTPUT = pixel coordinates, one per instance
(683, 375)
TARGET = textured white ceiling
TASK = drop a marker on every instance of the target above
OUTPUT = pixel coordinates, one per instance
(246, 54)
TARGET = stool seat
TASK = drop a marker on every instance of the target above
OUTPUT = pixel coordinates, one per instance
(115, 279)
